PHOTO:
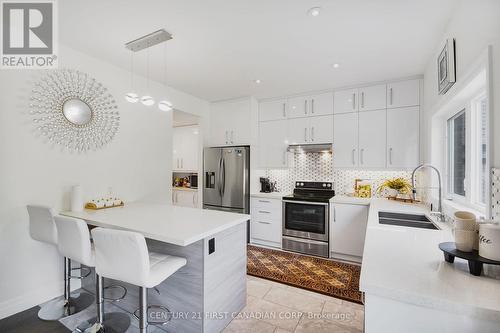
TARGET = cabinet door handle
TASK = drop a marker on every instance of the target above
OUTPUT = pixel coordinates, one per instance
(354, 101)
(312, 105)
(305, 134)
(362, 99)
(182, 163)
(194, 203)
(178, 165)
(312, 133)
(361, 155)
(232, 136)
(390, 96)
(262, 222)
(284, 110)
(305, 106)
(284, 158)
(352, 156)
(390, 155)
(227, 137)
(334, 215)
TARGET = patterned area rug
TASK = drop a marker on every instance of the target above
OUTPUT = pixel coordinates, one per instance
(324, 276)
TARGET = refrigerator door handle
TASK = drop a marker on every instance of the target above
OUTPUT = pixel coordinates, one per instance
(223, 178)
(219, 176)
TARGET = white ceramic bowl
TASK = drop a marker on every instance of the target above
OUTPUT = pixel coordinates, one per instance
(464, 240)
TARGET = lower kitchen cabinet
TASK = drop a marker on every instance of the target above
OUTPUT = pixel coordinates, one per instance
(347, 230)
(185, 198)
(266, 222)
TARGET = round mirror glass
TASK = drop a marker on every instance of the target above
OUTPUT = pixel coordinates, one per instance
(77, 112)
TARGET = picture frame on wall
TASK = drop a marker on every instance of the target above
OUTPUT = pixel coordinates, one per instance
(446, 66)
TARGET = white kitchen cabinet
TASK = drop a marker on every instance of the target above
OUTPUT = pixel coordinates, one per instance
(347, 230)
(273, 110)
(310, 106)
(345, 140)
(230, 123)
(321, 129)
(298, 107)
(345, 101)
(185, 198)
(266, 221)
(372, 97)
(403, 93)
(185, 144)
(372, 139)
(321, 104)
(298, 131)
(273, 144)
(403, 137)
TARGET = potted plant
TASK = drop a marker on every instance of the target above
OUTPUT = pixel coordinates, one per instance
(395, 187)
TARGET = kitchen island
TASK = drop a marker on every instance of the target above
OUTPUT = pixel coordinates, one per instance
(410, 288)
(203, 295)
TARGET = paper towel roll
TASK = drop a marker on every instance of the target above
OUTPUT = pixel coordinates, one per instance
(76, 199)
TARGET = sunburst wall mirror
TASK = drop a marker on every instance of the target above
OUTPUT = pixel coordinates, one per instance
(73, 110)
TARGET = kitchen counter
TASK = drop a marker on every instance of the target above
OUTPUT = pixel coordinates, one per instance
(272, 195)
(214, 245)
(350, 200)
(178, 188)
(405, 265)
(166, 223)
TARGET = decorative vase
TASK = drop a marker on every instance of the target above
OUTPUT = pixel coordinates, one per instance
(391, 193)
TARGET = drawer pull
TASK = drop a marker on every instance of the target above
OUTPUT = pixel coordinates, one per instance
(264, 211)
(262, 222)
(264, 201)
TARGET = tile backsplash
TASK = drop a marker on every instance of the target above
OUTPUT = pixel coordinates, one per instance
(319, 167)
(495, 194)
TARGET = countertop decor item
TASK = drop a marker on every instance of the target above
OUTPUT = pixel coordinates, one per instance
(489, 241)
(72, 109)
(395, 187)
(76, 199)
(104, 203)
(475, 260)
(446, 66)
(362, 188)
(465, 231)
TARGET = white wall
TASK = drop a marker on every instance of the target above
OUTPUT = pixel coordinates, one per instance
(474, 25)
(136, 164)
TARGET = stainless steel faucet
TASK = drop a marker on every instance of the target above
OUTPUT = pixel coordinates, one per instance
(439, 213)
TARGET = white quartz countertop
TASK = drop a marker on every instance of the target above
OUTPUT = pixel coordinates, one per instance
(344, 199)
(406, 264)
(272, 195)
(163, 222)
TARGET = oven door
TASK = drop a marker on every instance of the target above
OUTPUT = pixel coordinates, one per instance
(306, 220)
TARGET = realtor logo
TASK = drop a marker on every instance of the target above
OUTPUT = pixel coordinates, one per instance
(28, 35)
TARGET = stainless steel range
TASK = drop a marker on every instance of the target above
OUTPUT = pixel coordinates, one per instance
(306, 216)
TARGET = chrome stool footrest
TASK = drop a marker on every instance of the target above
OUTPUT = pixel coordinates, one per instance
(161, 316)
(82, 274)
(115, 299)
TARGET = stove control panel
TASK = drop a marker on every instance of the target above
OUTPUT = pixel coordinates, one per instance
(314, 185)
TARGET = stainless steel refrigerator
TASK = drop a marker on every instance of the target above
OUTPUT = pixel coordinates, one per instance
(226, 173)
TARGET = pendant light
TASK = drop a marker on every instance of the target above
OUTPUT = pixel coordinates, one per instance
(165, 105)
(147, 99)
(131, 96)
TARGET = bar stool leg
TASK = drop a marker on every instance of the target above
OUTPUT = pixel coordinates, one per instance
(99, 299)
(143, 309)
(67, 279)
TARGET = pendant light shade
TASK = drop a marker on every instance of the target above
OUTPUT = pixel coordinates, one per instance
(164, 105)
(147, 100)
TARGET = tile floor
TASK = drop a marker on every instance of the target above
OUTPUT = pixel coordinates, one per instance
(277, 308)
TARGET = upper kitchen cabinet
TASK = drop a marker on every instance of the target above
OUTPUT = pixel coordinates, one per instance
(298, 107)
(372, 98)
(185, 148)
(310, 106)
(230, 123)
(372, 139)
(345, 101)
(345, 140)
(311, 130)
(273, 144)
(321, 104)
(403, 93)
(403, 137)
(273, 110)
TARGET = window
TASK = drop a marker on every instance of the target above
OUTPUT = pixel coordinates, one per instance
(467, 151)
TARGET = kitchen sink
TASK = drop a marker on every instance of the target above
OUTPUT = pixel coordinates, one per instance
(406, 220)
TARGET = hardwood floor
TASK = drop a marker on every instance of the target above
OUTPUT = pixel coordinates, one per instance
(28, 322)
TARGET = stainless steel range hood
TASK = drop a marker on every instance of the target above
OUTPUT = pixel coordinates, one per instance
(314, 148)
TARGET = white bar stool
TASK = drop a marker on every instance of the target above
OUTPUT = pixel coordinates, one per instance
(124, 256)
(74, 243)
(42, 228)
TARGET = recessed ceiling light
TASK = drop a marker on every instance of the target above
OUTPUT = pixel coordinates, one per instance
(336, 65)
(258, 81)
(315, 11)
